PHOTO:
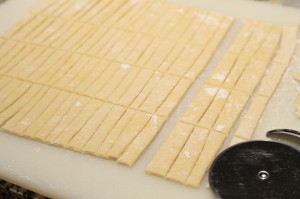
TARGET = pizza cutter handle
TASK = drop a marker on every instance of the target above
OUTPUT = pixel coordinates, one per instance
(290, 132)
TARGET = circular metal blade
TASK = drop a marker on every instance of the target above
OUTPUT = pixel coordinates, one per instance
(256, 169)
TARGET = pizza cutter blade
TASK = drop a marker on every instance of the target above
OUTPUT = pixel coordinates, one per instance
(256, 170)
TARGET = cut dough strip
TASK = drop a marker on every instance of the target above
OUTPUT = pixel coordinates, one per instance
(72, 121)
(10, 111)
(211, 148)
(103, 77)
(270, 81)
(135, 149)
(248, 124)
(218, 105)
(188, 156)
(168, 152)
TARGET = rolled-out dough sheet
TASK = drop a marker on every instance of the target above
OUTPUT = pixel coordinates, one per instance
(219, 102)
(269, 83)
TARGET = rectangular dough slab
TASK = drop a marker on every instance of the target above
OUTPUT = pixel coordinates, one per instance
(185, 60)
(223, 68)
(46, 115)
(199, 65)
(215, 108)
(250, 119)
(116, 115)
(242, 37)
(132, 129)
(115, 133)
(168, 152)
(14, 96)
(77, 123)
(197, 108)
(268, 85)
(12, 124)
(142, 141)
(36, 111)
(188, 156)
(212, 146)
(251, 76)
(19, 104)
(159, 94)
(88, 130)
(233, 107)
(55, 119)
(174, 98)
(76, 108)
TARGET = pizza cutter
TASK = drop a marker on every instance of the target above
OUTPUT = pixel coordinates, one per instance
(258, 170)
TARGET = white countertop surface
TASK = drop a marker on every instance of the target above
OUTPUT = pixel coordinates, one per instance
(60, 173)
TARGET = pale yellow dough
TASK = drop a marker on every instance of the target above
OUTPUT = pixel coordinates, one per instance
(298, 106)
(115, 133)
(232, 109)
(46, 115)
(219, 104)
(297, 77)
(167, 154)
(99, 136)
(200, 104)
(14, 124)
(142, 141)
(188, 156)
(104, 77)
(87, 131)
(212, 146)
(250, 119)
(49, 126)
(269, 82)
(19, 104)
(212, 113)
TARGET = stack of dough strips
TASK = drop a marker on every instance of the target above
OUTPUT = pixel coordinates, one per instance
(248, 69)
(102, 76)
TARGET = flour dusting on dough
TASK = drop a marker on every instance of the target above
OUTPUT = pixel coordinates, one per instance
(181, 11)
(187, 154)
(223, 94)
(80, 5)
(78, 103)
(154, 119)
(135, 1)
(220, 127)
(211, 91)
(125, 66)
(219, 77)
(25, 122)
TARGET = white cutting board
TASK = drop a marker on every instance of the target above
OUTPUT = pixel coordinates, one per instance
(60, 173)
